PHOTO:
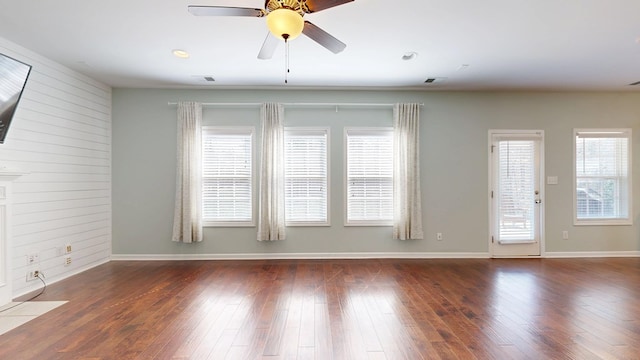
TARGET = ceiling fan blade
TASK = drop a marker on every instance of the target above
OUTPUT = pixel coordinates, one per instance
(224, 11)
(317, 5)
(268, 47)
(323, 38)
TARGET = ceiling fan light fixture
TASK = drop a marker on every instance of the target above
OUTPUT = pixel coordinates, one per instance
(285, 23)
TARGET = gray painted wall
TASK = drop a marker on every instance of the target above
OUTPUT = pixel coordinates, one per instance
(454, 143)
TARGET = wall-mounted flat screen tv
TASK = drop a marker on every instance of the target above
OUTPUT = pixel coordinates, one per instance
(13, 77)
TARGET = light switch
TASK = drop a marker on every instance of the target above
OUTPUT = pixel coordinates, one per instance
(552, 180)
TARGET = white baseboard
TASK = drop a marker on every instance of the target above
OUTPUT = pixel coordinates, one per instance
(298, 256)
(366, 255)
(591, 254)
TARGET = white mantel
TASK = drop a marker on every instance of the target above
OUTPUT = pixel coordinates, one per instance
(7, 176)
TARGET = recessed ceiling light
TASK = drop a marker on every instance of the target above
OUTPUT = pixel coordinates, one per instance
(180, 53)
(409, 56)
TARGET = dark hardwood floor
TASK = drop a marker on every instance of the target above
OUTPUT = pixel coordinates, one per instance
(341, 309)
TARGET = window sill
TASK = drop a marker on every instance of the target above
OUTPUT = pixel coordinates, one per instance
(368, 223)
(308, 224)
(603, 222)
(228, 224)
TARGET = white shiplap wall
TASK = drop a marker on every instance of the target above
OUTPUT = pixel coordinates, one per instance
(61, 137)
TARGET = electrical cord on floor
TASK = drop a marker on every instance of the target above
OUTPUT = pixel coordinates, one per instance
(41, 277)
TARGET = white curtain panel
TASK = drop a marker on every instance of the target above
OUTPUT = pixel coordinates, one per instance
(407, 207)
(187, 219)
(271, 218)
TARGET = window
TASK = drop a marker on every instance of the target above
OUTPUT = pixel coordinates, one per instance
(227, 176)
(306, 175)
(602, 177)
(369, 176)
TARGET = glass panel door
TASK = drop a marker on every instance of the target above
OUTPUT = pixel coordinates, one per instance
(516, 194)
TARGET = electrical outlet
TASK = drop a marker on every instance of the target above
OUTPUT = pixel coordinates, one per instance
(32, 259)
(439, 236)
(67, 248)
(33, 274)
(67, 260)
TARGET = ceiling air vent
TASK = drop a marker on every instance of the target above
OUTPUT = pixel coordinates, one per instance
(203, 79)
(435, 80)
(635, 83)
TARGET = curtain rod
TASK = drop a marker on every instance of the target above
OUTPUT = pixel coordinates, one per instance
(299, 104)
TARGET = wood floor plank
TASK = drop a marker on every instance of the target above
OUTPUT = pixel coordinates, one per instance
(307, 322)
(213, 335)
(323, 342)
(223, 345)
(365, 323)
(291, 335)
(353, 336)
(340, 309)
(276, 333)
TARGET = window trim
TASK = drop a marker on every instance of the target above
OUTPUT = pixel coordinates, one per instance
(347, 222)
(314, 130)
(237, 130)
(620, 132)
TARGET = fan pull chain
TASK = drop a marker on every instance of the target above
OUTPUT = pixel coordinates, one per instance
(286, 58)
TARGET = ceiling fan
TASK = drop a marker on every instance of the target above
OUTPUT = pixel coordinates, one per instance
(284, 20)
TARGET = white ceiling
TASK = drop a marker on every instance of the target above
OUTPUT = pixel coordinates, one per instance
(507, 44)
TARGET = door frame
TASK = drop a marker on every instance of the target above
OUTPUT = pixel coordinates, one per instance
(492, 229)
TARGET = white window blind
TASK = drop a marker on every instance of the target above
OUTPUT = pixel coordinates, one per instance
(227, 175)
(306, 192)
(369, 176)
(516, 190)
(602, 186)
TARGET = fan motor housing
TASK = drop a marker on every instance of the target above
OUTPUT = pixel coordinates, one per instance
(299, 6)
